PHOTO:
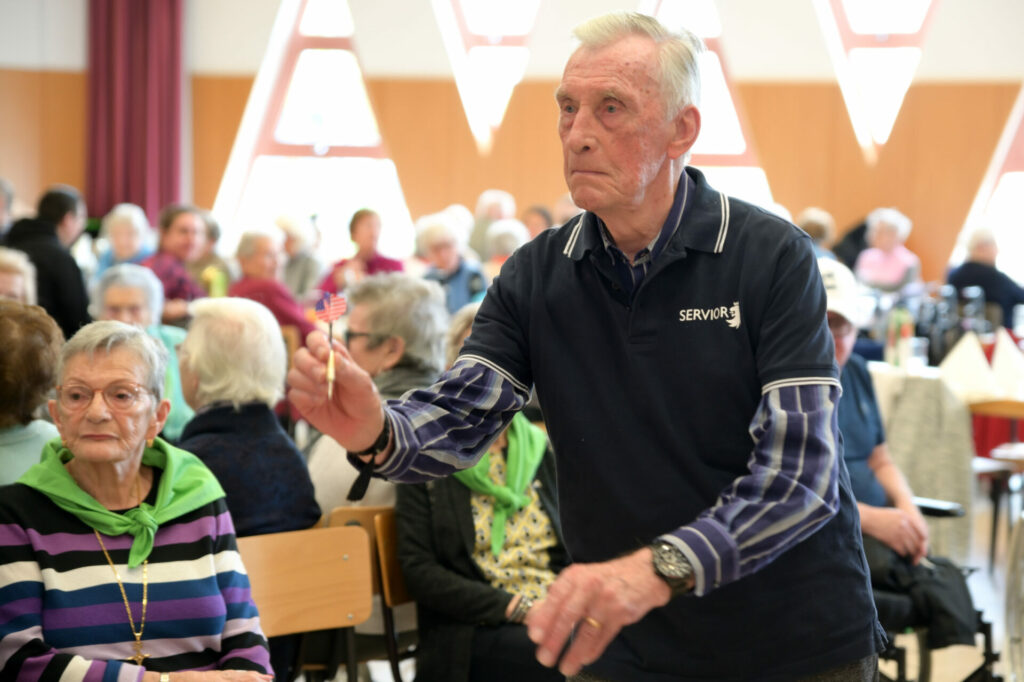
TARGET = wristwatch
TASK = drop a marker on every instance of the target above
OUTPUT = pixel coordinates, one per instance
(672, 566)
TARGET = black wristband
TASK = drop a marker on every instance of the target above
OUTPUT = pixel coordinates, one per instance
(378, 445)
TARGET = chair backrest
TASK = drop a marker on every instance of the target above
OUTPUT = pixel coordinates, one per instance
(306, 580)
(363, 518)
(292, 340)
(1007, 409)
(392, 580)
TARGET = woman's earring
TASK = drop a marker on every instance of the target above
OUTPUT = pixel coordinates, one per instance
(149, 443)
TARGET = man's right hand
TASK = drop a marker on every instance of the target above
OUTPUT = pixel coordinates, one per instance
(354, 415)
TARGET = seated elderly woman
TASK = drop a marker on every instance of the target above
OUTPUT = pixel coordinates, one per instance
(232, 368)
(119, 558)
(395, 332)
(28, 365)
(887, 264)
(259, 255)
(477, 549)
(440, 242)
(132, 294)
(127, 230)
(17, 276)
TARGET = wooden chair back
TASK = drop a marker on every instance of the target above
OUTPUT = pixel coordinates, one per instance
(392, 580)
(363, 518)
(308, 580)
(292, 340)
(1007, 409)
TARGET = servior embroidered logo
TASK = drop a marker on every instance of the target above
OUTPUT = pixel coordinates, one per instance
(731, 314)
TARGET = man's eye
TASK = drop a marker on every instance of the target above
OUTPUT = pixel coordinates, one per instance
(569, 108)
(611, 108)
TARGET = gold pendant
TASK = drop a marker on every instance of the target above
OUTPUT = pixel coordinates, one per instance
(139, 657)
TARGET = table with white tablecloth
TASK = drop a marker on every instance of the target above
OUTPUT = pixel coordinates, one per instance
(928, 430)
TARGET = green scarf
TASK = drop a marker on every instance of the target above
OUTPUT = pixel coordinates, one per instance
(526, 447)
(186, 485)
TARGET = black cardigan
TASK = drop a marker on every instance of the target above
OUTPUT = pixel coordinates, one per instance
(435, 548)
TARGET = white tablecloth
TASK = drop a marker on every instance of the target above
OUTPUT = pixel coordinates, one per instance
(928, 430)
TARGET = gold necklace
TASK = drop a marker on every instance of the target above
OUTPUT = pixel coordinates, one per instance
(139, 657)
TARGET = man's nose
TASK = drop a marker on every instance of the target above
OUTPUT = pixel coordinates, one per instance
(580, 135)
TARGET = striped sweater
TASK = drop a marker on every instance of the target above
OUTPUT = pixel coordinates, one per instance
(62, 616)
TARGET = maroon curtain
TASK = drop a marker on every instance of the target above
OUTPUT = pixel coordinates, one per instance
(135, 95)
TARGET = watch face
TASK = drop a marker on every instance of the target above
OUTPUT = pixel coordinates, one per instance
(670, 562)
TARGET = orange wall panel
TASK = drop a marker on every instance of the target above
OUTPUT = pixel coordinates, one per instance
(218, 103)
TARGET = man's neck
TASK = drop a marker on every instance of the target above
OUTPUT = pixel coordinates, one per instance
(633, 229)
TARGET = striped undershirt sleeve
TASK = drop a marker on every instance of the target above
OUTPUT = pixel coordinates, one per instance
(791, 490)
(448, 426)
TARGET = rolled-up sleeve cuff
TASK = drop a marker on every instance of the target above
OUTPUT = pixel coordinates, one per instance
(711, 551)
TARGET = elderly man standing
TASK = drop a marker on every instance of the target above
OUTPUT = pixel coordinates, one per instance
(677, 340)
(979, 270)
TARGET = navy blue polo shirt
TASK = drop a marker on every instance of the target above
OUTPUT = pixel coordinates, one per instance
(861, 425)
(648, 399)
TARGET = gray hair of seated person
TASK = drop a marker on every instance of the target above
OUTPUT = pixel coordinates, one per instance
(18, 263)
(129, 276)
(105, 336)
(891, 217)
(438, 227)
(462, 322)
(410, 308)
(818, 223)
(678, 53)
(127, 214)
(248, 241)
(505, 236)
(236, 350)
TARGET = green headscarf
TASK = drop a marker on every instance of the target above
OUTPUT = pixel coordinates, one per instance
(186, 485)
(526, 447)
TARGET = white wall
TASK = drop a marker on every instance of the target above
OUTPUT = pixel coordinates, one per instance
(763, 39)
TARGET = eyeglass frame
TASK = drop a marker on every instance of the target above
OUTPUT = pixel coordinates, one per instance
(349, 335)
(138, 390)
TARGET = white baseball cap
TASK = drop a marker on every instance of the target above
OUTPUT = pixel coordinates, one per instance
(842, 290)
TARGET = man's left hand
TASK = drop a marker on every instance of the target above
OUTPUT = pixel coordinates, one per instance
(598, 600)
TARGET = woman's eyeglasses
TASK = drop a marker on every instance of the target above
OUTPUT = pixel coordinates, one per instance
(121, 397)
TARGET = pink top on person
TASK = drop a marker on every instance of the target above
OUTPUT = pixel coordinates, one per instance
(374, 266)
(888, 270)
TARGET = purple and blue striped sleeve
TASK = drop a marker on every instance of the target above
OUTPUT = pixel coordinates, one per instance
(791, 490)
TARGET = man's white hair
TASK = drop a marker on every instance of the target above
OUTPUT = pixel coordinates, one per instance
(980, 237)
(235, 348)
(248, 241)
(678, 52)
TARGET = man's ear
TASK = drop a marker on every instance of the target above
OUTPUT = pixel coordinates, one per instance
(395, 346)
(687, 128)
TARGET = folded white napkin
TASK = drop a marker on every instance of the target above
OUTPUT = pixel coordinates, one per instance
(967, 372)
(1008, 366)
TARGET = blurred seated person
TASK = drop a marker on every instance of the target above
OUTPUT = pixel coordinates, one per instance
(565, 210)
(887, 264)
(302, 269)
(396, 326)
(503, 238)
(819, 225)
(895, 532)
(854, 242)
(211, 271)
(114, 531)
(477, 549)
(440, 244)
(28, 367)
(232, 366)
(6, 206)
(492, 205)
(132, 294)
(182, 240)
(364, 230)
(126, 230)
(259, 257)
(17, 277)
(537, 218)
(47, 240)
(979, 270)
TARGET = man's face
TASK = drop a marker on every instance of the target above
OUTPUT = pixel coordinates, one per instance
(612, 123)
(12, 286)
(263, 261)
(844, 334)
(185, 238)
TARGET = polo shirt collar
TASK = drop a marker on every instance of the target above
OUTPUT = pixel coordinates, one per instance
(706, 224)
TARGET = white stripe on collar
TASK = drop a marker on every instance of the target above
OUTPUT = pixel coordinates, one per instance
(573, 237)
(723, 227)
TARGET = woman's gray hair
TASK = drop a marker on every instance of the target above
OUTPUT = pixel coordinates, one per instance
(437, 227)
(129, 276)
(678, 52)
(890, 217)
(410, 308)
(249, 240)
(17, 262)
(129, 214)
(462, 322)
(505, 236)
(235, 348)
(107, 335)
